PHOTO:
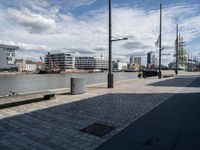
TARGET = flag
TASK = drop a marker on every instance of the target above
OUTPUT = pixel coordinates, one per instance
(157, 44)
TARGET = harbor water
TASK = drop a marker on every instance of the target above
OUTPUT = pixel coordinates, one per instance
(39, 82)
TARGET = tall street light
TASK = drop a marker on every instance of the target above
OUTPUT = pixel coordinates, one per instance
(160, 44)
(177, 50)
(110, 75)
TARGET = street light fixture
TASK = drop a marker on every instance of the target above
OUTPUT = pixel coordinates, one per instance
(116, 39)
(110, 40)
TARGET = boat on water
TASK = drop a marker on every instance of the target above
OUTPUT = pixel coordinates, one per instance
(95, 70)
(51, 71)
(51, 68)
(117, 70)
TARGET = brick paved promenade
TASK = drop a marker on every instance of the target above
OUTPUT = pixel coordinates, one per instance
(56, 124)
(172, 125)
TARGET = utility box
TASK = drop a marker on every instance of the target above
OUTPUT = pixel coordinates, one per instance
(78, 85)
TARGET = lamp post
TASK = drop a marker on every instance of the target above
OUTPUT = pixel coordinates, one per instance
(188, 61)
(110, 75)
(160, 46)
(177, 50)
(110, 40)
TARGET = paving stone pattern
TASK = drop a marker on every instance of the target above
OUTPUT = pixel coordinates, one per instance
(56, 124)
(173, 125)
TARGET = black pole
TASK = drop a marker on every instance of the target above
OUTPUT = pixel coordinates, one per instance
(160, 43)
(192, 62)
(188, 60)
(177, 51)
(110, 75)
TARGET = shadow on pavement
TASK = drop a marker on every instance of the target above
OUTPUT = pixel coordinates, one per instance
(59, 127)
(56, 126)
(173, 125)
(176, 82)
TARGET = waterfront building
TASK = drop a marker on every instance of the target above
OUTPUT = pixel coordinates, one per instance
(134, 67)
(64, 61)
(21, 64)
(39, 65)
(119, 66)
(131, 60)
(149, 61)
(89, 63)
(137, 61)
(154, 61)
(7, 57)
(26, 65)
(30, 66)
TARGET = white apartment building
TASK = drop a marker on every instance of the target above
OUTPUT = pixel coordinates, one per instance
(30, 66)
(119, 66)
(154, 60)
(62, 60)
(131, 60)
(137, 61)
(88, 63)
(26, 65)
(7, 57)
(21, 64)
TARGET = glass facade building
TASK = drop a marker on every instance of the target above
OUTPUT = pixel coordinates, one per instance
(7, 57)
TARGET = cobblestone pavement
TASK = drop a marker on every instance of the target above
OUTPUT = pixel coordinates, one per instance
(56, 124)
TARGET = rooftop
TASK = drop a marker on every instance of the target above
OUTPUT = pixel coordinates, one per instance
(9, 46)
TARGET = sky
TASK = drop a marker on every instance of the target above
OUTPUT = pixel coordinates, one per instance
(80, 27)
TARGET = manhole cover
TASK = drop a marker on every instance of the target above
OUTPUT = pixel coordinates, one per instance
(97, 129)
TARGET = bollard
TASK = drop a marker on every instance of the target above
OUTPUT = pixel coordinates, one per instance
(78, 85)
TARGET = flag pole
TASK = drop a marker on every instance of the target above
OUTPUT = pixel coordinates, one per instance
(176, 70)
(160, 41)
(188, 61)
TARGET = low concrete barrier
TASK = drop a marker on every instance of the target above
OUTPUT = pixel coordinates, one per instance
(149, 73)
(17, 100)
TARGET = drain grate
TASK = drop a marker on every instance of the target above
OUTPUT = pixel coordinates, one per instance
(97, 129)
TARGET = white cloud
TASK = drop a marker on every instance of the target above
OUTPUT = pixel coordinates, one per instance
(24, 46)
(45, 28)
(35, 23)
(81, 2)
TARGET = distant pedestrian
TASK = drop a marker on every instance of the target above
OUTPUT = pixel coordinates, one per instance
(140, 74)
